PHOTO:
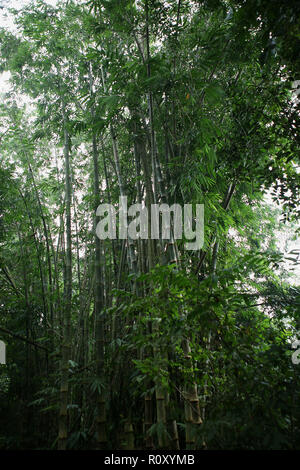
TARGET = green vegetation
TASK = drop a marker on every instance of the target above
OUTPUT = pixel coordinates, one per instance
(141, 344)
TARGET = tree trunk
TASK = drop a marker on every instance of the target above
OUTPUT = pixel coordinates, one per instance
(66, 346)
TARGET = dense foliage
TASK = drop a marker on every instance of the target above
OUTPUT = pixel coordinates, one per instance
(142, 344)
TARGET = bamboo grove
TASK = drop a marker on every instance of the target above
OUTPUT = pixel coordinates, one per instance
(141, 344)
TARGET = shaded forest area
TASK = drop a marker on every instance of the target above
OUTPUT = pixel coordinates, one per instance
(142, 344)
